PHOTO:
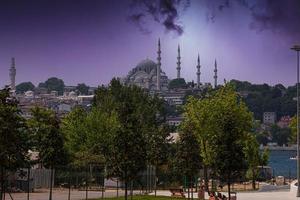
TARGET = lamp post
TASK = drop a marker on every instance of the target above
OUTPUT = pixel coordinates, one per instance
(297, 49)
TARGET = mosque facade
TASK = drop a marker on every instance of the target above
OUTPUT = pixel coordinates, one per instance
(149, 75)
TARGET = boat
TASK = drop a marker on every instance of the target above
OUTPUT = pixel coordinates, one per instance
(293, 158)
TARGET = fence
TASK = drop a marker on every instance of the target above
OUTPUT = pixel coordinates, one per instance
(70, 183)
(90, 182)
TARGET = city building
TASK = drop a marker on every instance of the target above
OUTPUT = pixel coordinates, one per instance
(174, 121)
(269, 117)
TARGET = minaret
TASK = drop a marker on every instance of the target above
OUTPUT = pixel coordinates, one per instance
(158, 66)
(12, 75)
(216, 76)
(178, 63)
(198, 71)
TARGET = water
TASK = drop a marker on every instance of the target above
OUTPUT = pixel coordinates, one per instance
(281, 163)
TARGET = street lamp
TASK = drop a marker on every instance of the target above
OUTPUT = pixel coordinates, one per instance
(297, 49)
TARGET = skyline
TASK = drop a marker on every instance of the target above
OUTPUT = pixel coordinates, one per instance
(94, 41)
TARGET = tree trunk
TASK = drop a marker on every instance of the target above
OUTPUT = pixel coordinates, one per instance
(86, 184)
(188, 189)
(117, 188)
(131, 189)
(2, 184)
(191, 184)
(28, 183)
(253, 179)
(69, 192)
(126, 187)
(206, 178)
(51, 183)
(228, 185)
(155, 186)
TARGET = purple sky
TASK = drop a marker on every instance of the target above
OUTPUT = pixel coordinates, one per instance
(93, 41)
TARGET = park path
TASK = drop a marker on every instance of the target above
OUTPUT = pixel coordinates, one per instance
(62, 195)
(274, 195)
(79, 195)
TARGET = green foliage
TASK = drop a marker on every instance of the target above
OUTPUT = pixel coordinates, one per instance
(187, 158)
(177, 83)
(220, 122)
(262, 98)
(14, 140)
(254, 158)
(54, 84)
(280, 135)
(125, 130)
(24, 87)
(136, 112)
(88, 135)
(48, 139)
(262, 137)
(82, 89)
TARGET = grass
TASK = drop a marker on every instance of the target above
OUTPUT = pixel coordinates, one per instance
(142, 197)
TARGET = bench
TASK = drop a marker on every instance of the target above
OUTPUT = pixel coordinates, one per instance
(233, 196)
(177, 192)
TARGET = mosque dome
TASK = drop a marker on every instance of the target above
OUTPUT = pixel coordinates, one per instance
(146, 65)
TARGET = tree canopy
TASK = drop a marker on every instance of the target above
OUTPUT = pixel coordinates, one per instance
(14, 138)
(82, 89)
(177, 83)
(262, 98)
(220, 122)
(124, 129)
(54, 84)
(13, 133)
(24, 87)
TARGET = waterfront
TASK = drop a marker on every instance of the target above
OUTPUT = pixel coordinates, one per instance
(281, 163)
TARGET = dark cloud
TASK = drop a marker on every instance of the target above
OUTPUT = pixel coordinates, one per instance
(281, 16)
(164, 12)
(138, 20)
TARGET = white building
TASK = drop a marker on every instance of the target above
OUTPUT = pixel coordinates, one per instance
(269, 118)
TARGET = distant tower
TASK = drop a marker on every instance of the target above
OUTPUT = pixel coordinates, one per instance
(198, 71)
(12, 75)
(178, 63)
(216, 76)
(158, 66)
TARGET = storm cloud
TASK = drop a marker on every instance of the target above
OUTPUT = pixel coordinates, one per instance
(164, 12)
(275, 15)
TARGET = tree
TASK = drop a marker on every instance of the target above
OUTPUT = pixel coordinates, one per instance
(254, 158)
(54, 84)
(88, 135)
(187, 159)
(48, 140)
(220, 122)
(231, 121)
(14, 140)
(74, 129)
(177, 83)
(24, 87)
(280, 135)
(197, 115)
(82, 89)
(136, 112)
(157, 147)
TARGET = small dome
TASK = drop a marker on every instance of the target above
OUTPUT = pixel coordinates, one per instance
(29, 93)
(72, 94)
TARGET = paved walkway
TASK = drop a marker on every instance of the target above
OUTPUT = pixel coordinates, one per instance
(79, 195)
(278, 195)
(63, 195)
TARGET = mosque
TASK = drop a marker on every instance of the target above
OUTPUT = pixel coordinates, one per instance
(148, 74)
